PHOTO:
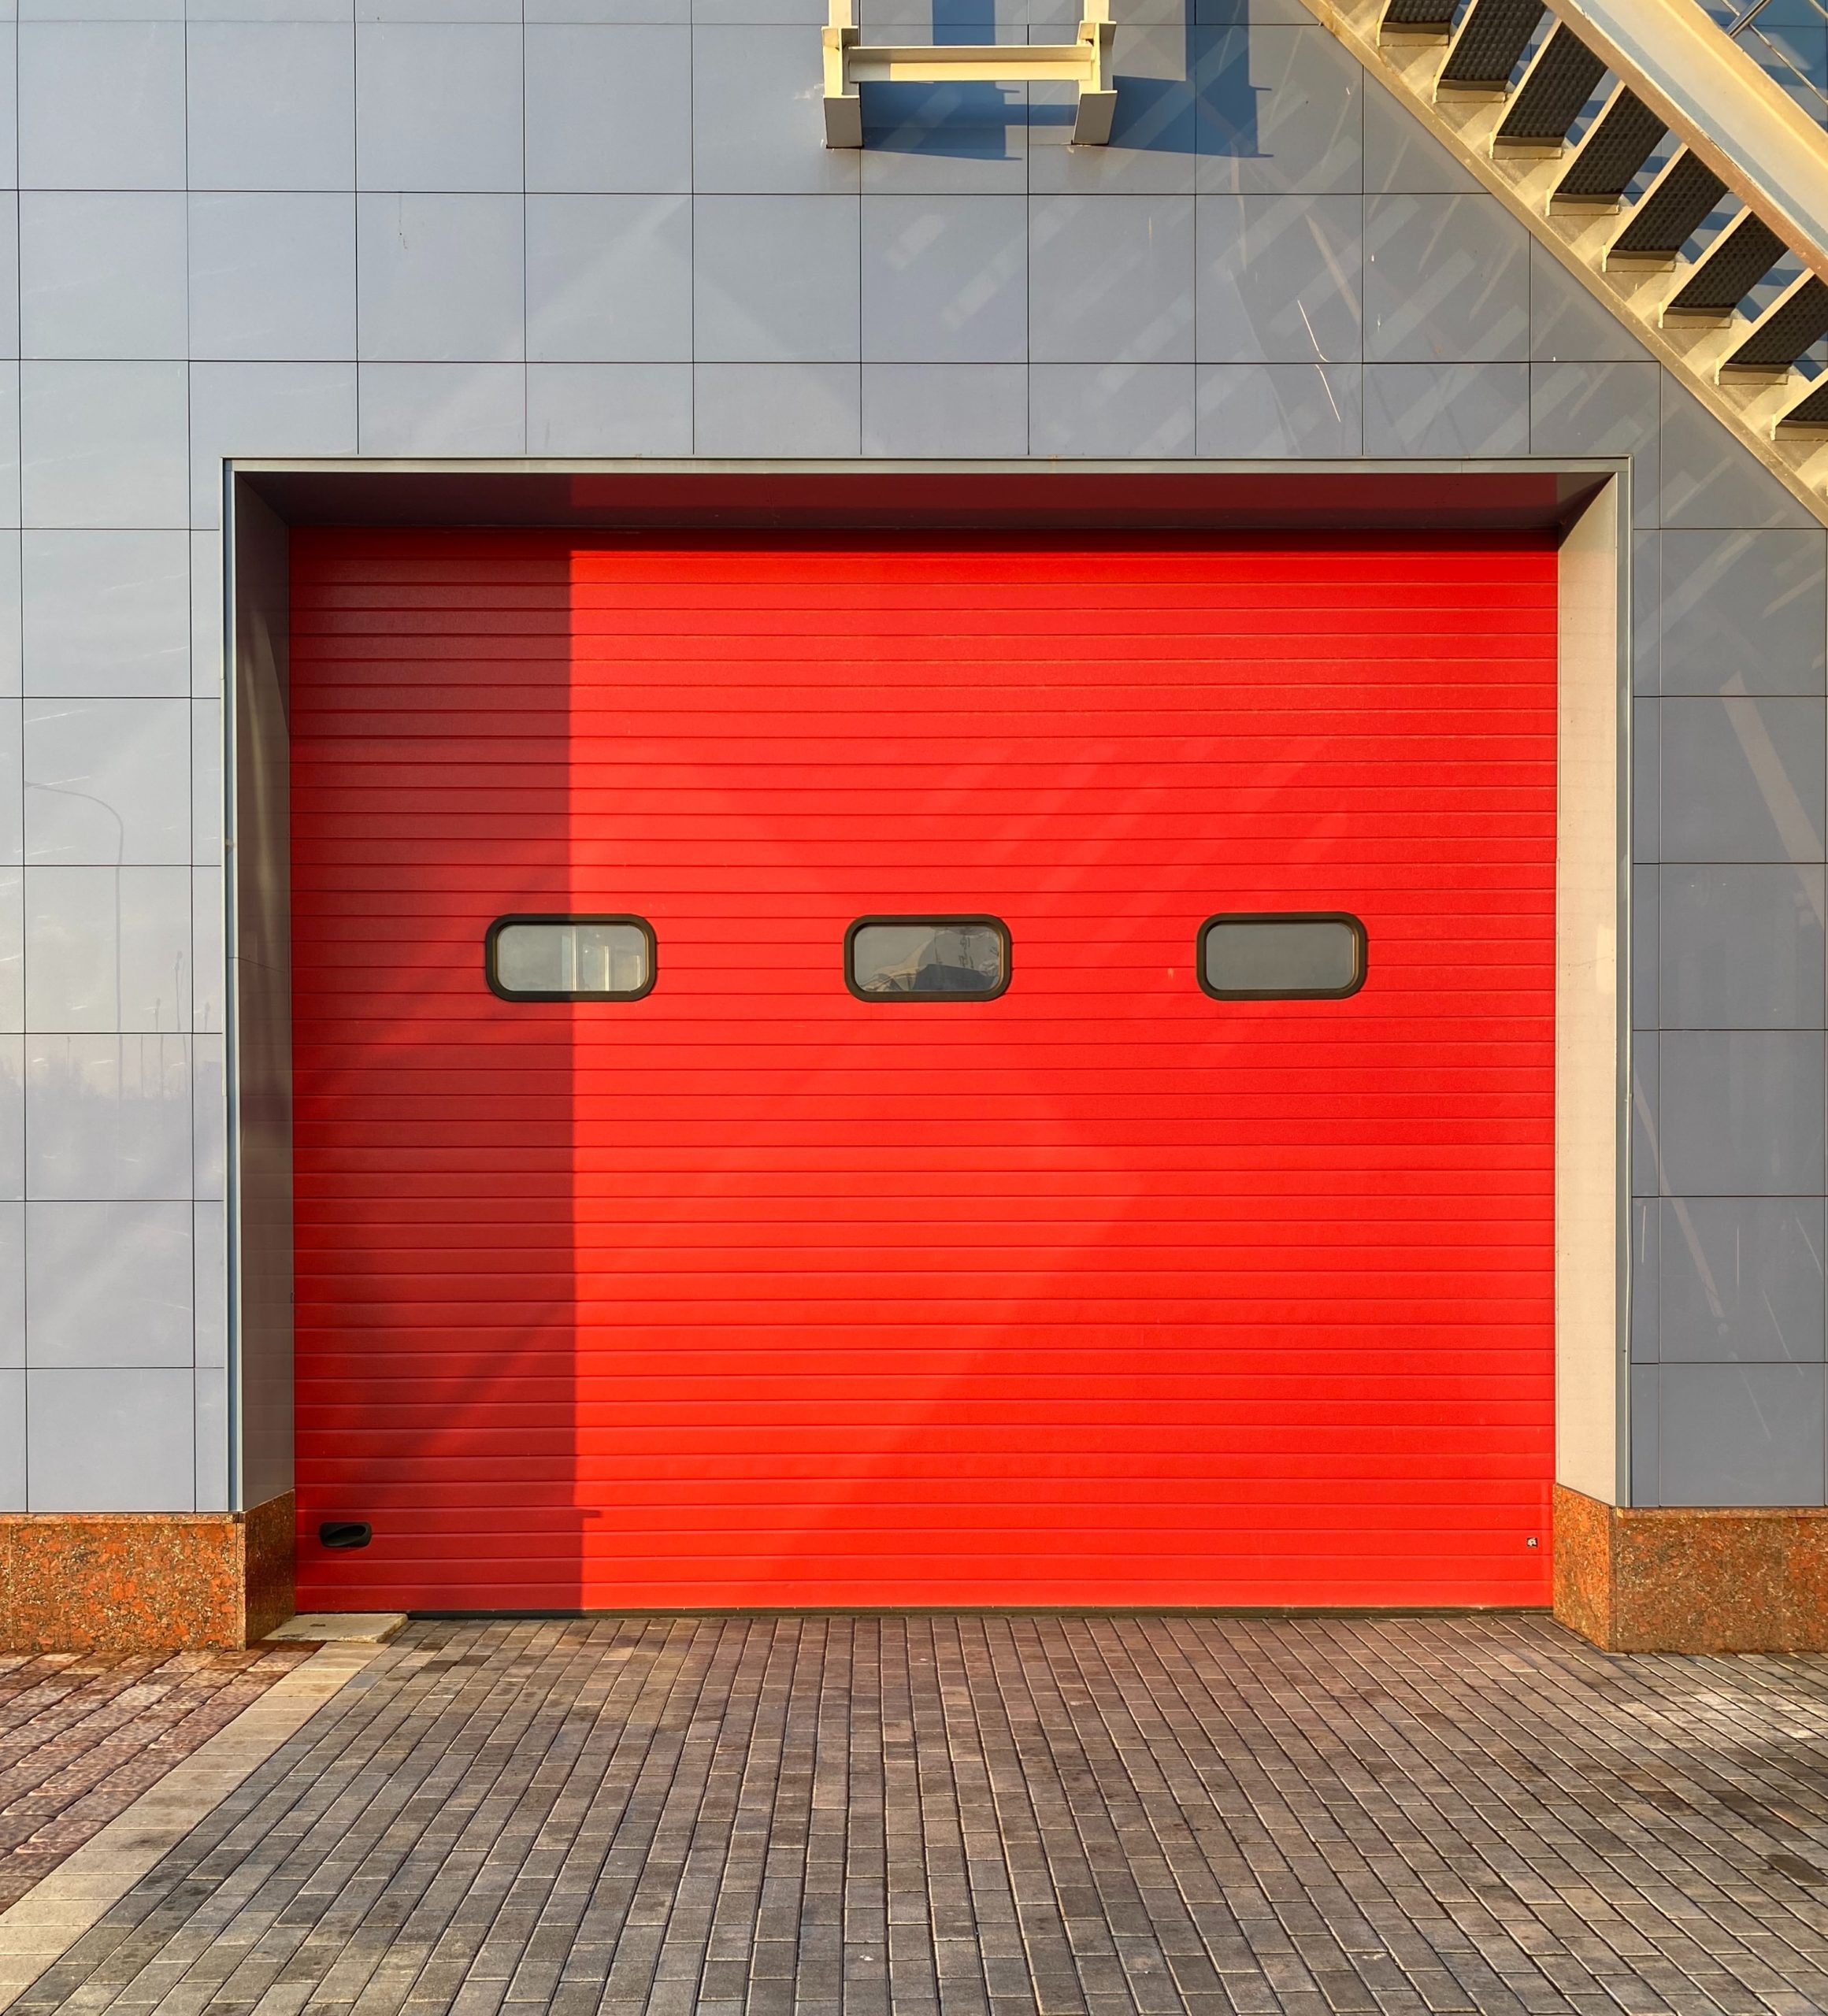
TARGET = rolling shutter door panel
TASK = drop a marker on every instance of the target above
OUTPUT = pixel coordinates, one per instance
(752, 1292)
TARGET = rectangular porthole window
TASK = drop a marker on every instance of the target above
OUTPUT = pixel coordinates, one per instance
(569, 958)
(926, 958)
(1288, 955)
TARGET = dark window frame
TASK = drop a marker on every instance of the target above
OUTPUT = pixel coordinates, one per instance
(928, 1000)
(1361, 939)
(493, 934)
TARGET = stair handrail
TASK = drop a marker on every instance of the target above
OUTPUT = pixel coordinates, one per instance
(1715, 99)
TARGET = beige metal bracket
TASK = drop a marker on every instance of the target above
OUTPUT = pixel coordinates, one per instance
(1086, 62)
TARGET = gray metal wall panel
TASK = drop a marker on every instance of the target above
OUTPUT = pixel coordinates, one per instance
(552, 229)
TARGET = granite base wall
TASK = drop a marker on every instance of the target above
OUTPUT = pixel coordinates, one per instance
(1692, 1578)
(154, 1581)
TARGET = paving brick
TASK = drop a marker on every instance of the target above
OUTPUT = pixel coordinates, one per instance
(942, 1815)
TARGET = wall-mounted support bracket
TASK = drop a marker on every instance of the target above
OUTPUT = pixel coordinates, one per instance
(1086, 62)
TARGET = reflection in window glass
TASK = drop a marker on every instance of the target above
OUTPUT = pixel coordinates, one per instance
(928, 957)
(568, 958)
(1291, 957)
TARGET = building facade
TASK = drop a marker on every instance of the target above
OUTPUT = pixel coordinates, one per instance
(424, 236)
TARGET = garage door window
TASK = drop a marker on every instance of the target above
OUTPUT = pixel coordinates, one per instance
(926, 958)
(570, 958)
(1293, 955)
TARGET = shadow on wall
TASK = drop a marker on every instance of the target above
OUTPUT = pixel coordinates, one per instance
(1210, 109)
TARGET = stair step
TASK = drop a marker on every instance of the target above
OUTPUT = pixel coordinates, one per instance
(1798, 318)
(1494, 33)
(1730, 268)
(1614, 147)
(1557, 85)
(1671, 211)
(1419, 17)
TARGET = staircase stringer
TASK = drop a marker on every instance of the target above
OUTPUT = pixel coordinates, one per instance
(1409, 65)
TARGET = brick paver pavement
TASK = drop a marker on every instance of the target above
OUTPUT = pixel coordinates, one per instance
(1004, 1813)
(83, 1735)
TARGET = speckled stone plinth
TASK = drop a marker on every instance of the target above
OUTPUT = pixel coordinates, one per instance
(1692, 1578)
(145, 1581)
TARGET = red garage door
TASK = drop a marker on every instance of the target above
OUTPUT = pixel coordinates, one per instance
(755, 1290)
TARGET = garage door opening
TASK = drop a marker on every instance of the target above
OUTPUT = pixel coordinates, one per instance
(1137, 1278)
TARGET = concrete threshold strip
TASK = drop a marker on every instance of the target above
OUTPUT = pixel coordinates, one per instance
(38, 1930)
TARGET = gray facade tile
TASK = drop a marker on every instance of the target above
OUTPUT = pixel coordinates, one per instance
(12, 671)
(12, 1288)
(115, 1441)
(209, 1244)
(608, 408)
(107, 782)
(1743, 612)
(1641, 1427)
(102, 275)
(1644, 1147)
(107, 614)
(1450, 409)
(1644, 927)
(1283, 110)
(1740, 1280)
(442, 410)
(1647, 780)
(12, 1116)
(210, 1385)
(1740, 1113)
(1446, 281)
(1601, 409)
(440, 279)
(272, 409)
(207, 617)
(1163, 124)
(12, 506)
(609, 109)
(1568, 323)
(12, 1480)
(1740, 946)
(776, 280)
(272, 277)
(1260, 409)
(1401, 157)
(102, 105)
(104, 444)
(109, 1117)
(1646, 1222)
(1280, 279)
(776, 408)
(1740, 780)
(609, 278)
(437, 106)
(1710, 483)
(963, 140)
(208, 1119)
(207, 816)
(209, 974)
(1740, 1435)
(12, 949)
(12, 785)
(1646, 566)
(945, 280)
(107, 949)
(271, 104)
(1112, 280)
(109, 1285)
(916, 410)
(270, 11)
(1087, 408)
(757, 128)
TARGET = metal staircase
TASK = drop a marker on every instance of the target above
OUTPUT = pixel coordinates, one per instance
(1656, 159)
